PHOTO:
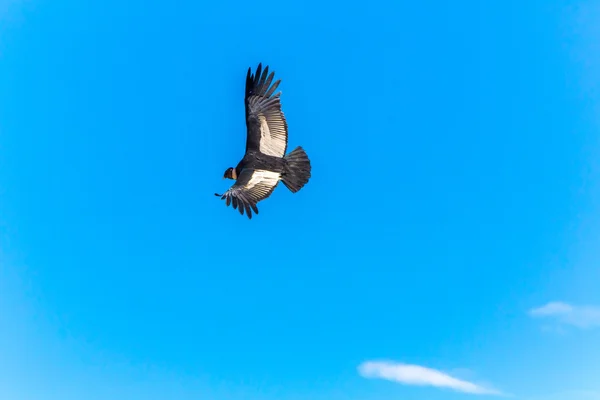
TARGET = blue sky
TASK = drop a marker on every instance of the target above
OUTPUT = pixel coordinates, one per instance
(446, 246)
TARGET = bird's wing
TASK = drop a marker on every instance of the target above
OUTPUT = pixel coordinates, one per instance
(265, 122)
(252, 186)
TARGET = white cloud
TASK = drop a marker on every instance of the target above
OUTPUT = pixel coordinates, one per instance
(420, 376)
(579, 316)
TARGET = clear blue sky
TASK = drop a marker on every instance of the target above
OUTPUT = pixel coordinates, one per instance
(455, 189)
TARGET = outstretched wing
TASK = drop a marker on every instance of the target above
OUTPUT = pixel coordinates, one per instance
(252, 186)
(265, 122)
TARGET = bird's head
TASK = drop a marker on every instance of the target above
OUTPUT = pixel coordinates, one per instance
(230, 173)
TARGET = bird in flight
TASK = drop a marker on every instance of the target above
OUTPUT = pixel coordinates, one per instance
(265, 163)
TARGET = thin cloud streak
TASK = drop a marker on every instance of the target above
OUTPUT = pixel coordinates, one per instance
(408, 374)
(567, 314)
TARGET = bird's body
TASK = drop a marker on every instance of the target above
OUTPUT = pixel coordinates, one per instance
(257, 160)
(265, 163)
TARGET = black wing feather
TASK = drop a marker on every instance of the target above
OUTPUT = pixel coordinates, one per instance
(244, 198)
(261, 102)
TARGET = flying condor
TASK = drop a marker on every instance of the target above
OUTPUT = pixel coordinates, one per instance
(265, 163)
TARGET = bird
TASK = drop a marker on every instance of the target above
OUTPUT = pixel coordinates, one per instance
(265, 162)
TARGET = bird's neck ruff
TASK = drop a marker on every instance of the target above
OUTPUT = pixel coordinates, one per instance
(233, 173)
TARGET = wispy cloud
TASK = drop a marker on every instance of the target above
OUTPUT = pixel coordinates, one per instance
(579, 316)
(408, 374)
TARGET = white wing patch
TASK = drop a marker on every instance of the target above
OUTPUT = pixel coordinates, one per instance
(263, 178)
(272, 136)
(252, 186)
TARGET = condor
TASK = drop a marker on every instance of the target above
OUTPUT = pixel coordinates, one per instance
(265, 163)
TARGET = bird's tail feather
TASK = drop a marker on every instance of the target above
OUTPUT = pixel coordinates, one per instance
(297, 169)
